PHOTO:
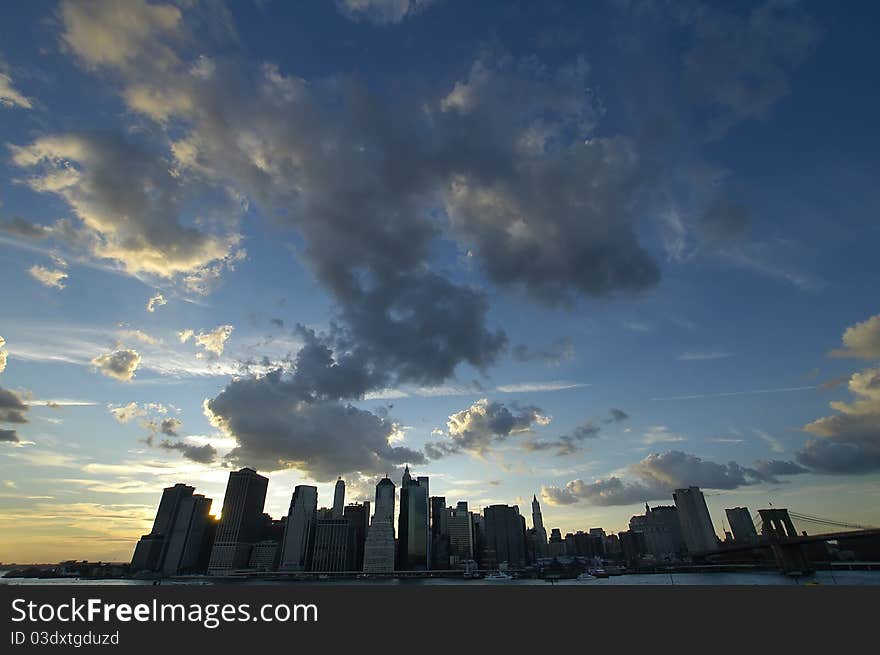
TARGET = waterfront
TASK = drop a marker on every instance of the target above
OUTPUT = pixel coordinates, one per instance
(756, 578)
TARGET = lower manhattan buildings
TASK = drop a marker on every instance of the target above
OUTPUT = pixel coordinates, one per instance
(430, 535)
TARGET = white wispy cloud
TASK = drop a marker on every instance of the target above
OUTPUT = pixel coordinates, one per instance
(692, 356)
(737, 393)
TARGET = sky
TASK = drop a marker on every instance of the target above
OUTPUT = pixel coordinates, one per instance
(591, 252)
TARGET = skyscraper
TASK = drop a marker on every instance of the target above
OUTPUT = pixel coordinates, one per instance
(461, 533)
(184, 551)
(439, 533)
(240, 520)
(333, 548)
(385, 501)
(413, 537)
(538, 525)
(379, 546)
(696, 524)
(505, 541)
(338, 499)
(149, 554)
(662, 532)
(358, 517)
(299, 532)
(741, 524)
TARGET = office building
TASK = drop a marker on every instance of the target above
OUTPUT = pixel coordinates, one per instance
(540, 537)
(439, 533)
(741, 525)
(413, 536)
(185, 550)
(339, 499)
(556, 544)
(505, 539)
(696, 524)
(264, 556)
(662, 532)
(333, 548)
(296, 550)
(358, 517)
(240, 521)
(459, 524)
(384, 509)
(379, 547)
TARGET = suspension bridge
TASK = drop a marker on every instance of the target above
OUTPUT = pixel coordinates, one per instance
(776, 531)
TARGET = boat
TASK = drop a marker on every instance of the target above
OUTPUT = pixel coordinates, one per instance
(498, 576)
(598, 572)
(585, 577)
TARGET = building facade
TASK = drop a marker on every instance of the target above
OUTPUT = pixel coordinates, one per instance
(240, 521)
(696, 524)
(296, 551)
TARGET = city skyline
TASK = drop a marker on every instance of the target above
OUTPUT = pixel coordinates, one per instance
(586, 254)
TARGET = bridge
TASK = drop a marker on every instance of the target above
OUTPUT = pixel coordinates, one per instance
(777, 533)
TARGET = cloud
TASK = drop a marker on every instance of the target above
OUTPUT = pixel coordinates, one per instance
(119, 33)
(168, 426)
(204, 454)
(19, 227)
(8, 436)
(566, 444)
(126, 413)
(848, 441)
(10, 96)
(659, 474)
(691, 356)
(155, 302)
(661, 434)
(128, 204)
(12, 407)
(49, 277)
(283, 422)
(474, 430)
(3, 354)
(617, 415)
(214, 341)
(382, 12)
(559, 351)
(119, 364)
(861, 340)
(533, 387)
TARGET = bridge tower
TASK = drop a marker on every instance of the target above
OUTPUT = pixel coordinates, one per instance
(777, 527)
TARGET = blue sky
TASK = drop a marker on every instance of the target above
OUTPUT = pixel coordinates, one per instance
(588, 251)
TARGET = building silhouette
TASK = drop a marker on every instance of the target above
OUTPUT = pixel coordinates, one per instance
(540, 535)
(299, 535)
(333, 545)
(358, 517)
(505, 537)
(413, 537)
(460, 527)
(338, 499)
(439, 534)
(240, 521)
(696, 524)
(740, 521)
(661, 527)
(379, 547)
(181, 537)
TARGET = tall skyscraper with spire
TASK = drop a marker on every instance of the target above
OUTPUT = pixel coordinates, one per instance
(339, 499)
(538, 524)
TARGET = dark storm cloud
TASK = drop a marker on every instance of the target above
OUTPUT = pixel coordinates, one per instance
(617, 415)
(279, 424)
(769, 469)
(205, 454)
(12, 408)
(8, 436)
